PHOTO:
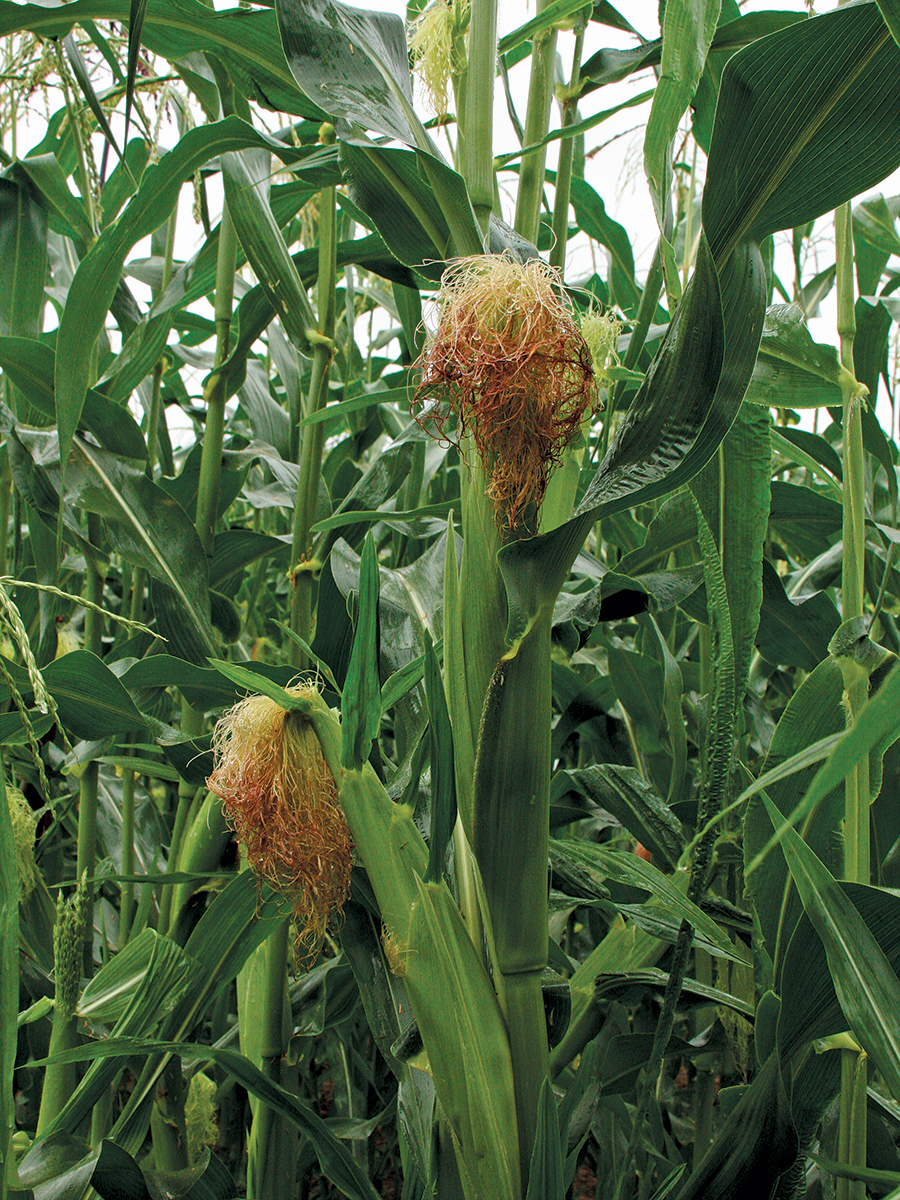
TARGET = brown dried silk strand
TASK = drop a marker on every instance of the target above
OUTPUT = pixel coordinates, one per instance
(281, 801)
(510, 364)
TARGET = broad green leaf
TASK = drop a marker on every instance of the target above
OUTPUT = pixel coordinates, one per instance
(792, 370)
(361, 697)
(15, 732)
(794, 632)
(23, 251)
(624, 792)
(253, 682)
(638, 681)
(236, 549)
(109, 993)
(170, 974)
(800, 129)
(468, 1049)
(793, 448)
(865, 982)
(209, 1179)
(23, 245)
(245, 175)
(335, 1160)
(91, 701)
(31, 364)
(99, 272)
(610, 66)
(545, 1175)
(64, 212)
(811, 1007)
(355, 63)
(203, 687)
(246, 42)
(688, 31)
(56, 1169)
(753, 1147)
(890, 10)
(876, 728)
(601, 863)
(814, 712)
(609, 986)
(147, 528)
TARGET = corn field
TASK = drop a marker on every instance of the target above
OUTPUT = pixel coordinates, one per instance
(467, 770)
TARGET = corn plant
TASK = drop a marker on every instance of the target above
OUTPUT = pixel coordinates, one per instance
(465, 769)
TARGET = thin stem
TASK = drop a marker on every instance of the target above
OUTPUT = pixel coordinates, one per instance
(459, 74)
(478, 163)
(302, 558)
(95, 580)
(127, 898)
(566, 155)
(216, 388)
(159, 369)
(852, 1124)
(856, 832)
(537, 122)
(689, 224)
(81, 168)
(269, 1169)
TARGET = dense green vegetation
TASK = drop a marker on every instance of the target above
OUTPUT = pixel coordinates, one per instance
(543, 614)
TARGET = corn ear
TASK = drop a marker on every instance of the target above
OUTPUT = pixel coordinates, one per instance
(451, 993)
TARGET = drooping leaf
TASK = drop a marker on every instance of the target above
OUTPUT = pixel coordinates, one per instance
(31, 365)
(245, 41)
(99, 272)
(361, 697)
(91, 701)
(865, 982)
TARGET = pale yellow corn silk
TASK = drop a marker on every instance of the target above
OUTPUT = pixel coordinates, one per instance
(281, 800)
(394, 952)
(431, 41)
(24, 826)
(601, 332)
(201, 1116)
(510, 364)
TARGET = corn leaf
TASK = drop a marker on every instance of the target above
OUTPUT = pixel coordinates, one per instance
(361, 697)
(865, 982)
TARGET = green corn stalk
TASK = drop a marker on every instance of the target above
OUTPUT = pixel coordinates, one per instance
(9, 991)
(95, 580)
(302, 556)
(537, 122)
(478, 154)
(852, 1129)
(451, 993)
(569, 100)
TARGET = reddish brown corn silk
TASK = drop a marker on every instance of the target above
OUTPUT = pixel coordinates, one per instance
(510, 364)
(281, 800)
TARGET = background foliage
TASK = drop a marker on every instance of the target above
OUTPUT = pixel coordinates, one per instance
(696, 635)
